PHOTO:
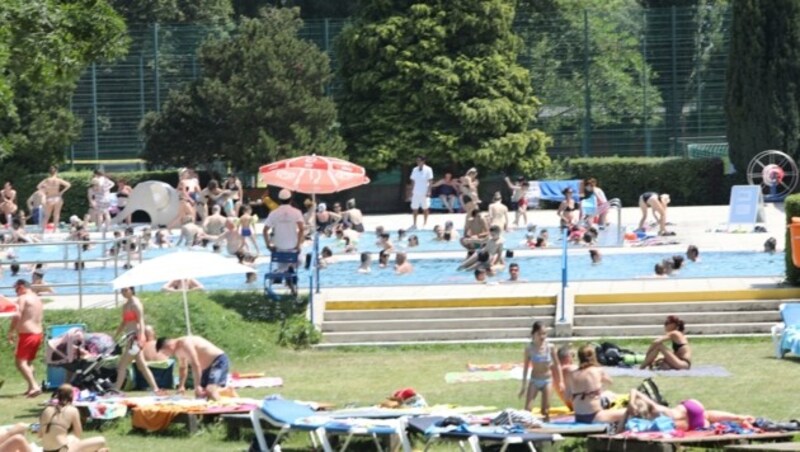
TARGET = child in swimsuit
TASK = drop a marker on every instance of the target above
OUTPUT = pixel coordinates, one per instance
(542, 360)
(246, 224)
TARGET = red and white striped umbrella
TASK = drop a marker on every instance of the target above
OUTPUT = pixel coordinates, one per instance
(314, 174)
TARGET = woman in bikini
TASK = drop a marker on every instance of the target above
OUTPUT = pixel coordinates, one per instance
(234, 186)
(99, 205)
(60, 426)
(543, 361)
(679, 356)
(54, 188)
(8, 202)
(688, 415)
(585, 387)
(658, 203)
(123, 193)
(569, 211)
(133, 324)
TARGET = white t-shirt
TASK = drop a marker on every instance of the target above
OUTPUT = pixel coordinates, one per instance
(422, 179)
(283, 222)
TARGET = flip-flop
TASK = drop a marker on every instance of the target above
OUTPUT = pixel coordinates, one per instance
(32, 394)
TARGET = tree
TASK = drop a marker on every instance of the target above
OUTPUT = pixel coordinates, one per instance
(439, 78)
(202, 12)
(620, 87)
(44, 47)
(309, 9)
(261, 98)
(763, 94)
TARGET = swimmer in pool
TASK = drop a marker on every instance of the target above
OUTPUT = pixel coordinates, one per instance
(693, 253)
(595, 256)
(401, 264)
(493, 248)
(413, 241)
(385, 242)
(326, 257)
(383, 259)
(677, 263)
(366, 263)
(480, 275)
(771, 245)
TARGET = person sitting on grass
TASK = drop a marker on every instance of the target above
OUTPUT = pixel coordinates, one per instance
(565, 361)
(12, 439)
(678, 357)
(60, 426)
(209, 363)
(688, 415)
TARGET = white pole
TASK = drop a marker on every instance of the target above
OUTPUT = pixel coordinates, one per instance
(186, 307)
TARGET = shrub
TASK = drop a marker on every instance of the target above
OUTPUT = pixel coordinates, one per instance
(792, 207)
(688, 181)
(297, 332)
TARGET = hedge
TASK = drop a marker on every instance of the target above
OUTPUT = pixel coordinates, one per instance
(75, 200)
(792, 207)
(688, 181)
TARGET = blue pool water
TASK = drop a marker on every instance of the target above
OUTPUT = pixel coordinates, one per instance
(443, 271)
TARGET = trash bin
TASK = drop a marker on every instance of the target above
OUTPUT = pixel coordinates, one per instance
(794, 235)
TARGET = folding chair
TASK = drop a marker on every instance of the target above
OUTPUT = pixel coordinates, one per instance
(56, 376)
(277, 259)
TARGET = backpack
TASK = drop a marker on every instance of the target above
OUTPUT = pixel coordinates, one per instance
(610, 354)
(650, 389)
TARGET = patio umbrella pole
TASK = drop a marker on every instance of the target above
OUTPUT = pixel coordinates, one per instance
(315, 261)
(186, 306)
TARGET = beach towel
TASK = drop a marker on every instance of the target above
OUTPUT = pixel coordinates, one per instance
(696, 371)
(259, 382)
(488, 375)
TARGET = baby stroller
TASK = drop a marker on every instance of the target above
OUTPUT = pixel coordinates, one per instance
(88, 357)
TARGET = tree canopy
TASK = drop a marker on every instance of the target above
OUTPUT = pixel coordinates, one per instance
(439, 78)
(206, 12)
(261, 98)
(763, 91)
(44, 47)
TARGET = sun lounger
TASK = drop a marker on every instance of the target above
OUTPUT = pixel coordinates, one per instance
(474, 435)
(649, 442)
(786, 335)
(288, 415)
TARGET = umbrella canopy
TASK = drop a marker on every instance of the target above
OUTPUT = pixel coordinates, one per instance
(179, 265)
(314, 174)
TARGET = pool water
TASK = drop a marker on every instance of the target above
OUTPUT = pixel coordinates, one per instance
(617, 266)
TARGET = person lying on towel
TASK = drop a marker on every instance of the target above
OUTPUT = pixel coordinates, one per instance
(210, 365)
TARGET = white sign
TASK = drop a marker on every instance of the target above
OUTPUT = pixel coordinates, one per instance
(746, 205)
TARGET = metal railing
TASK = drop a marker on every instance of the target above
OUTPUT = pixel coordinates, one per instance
(615, 203)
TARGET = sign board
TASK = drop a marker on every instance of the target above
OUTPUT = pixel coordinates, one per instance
(746, 205)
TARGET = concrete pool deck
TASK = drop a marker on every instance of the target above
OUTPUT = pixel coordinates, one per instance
(693, 225)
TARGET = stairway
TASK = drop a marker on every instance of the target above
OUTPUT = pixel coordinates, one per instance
(746, 317)
(435, 324)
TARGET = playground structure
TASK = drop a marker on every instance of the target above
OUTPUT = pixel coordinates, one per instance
(158, 199)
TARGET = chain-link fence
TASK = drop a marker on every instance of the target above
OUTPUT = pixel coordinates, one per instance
(630, 82)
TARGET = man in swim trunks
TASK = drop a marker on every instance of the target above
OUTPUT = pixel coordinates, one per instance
(27, 326)
(54, 188)
(214, 224)
(209, 363)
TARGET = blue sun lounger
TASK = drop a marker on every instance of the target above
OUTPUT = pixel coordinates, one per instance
(288, 415)
(473, 435)
(787, 335)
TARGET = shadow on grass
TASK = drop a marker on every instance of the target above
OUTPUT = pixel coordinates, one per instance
(255, 307)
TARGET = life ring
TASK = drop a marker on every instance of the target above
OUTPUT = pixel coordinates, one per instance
(772, 174)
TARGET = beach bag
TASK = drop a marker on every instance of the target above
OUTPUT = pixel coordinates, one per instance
(650, 389)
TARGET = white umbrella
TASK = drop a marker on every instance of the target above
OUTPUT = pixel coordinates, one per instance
(180, 265)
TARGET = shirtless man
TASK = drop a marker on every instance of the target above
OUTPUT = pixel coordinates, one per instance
(401, 264)
(476, 230)
(149, 347)
(27, 326)
(492, 250)
(191, 234)
(38, 285)
(234, 242)
(210, 365)
(8, 202)
(36, 205)
(214, 224)
(498, 212)
(54, 188)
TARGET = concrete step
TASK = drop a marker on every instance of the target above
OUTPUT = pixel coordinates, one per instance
(652, 331)
(440, 313)
(669, 308)
(415, 336)
(433, 324)
(691, 318)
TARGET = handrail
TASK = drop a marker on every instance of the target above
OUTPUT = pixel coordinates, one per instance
(564, 279)
(616, 202)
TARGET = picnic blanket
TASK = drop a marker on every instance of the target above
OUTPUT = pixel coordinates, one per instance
(696, 371)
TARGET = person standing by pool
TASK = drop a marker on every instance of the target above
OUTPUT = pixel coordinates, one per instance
(600, 200)
(26, 325)
(99, 204)
(678, 357)
(247, 224)
(468, 184)
(421, 177)
(498, 212)
(541, 355)
(54, 188)
(234, 186)
(132, 325)
(288, 231)
(658, 203)
(447, 191)
(123, 193)
(214, 224)
(209, 363)
(35, 205)
(8, 202)
(569, 211)
(519, 198)
(353, 216)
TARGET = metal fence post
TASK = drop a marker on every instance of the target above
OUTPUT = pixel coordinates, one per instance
(141, 86)
(564, 282)
(94, 112)
(648, 137)
(675, 112)
(156, 73)
(80, 277)
(326, 37)
(587, 95)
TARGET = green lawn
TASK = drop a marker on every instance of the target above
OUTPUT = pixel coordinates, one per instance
(248, 329)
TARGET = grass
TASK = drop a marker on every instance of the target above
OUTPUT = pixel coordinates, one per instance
(248, 329)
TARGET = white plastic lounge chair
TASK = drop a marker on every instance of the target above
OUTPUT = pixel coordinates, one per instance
(786, 335)
(288, 415)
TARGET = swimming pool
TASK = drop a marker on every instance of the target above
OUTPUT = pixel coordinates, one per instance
(616, 266)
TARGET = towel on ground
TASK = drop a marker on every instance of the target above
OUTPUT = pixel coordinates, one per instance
(696, 371)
